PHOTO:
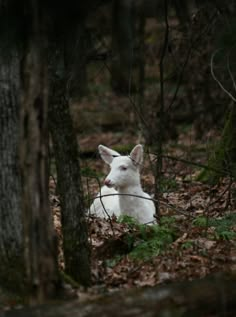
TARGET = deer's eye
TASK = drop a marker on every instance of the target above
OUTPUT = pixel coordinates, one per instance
(123, 168)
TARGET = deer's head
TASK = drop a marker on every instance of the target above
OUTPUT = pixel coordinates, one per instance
(124, 169)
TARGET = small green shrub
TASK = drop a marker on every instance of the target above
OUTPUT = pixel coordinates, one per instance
(200, 222)
(167, 221)
(128, 220)
(146, 241)
(225, 235)
(152, 241)
(187, 244)
(223, 226)
(146, 250)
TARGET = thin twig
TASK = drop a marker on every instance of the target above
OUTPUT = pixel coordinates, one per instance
(178, 159)
(230, 72)
(135, 107)
(180, 78)
(216, 79)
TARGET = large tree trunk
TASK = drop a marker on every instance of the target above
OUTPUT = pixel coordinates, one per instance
(11, 244)
(39, 234)
(74, 226)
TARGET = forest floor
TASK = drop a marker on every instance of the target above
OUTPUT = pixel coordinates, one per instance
(196, 231)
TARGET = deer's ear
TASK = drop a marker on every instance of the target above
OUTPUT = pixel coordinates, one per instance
(136, 155)
(107, 154)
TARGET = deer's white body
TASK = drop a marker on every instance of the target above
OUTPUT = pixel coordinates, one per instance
(123, 187)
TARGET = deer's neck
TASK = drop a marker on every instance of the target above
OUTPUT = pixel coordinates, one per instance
(129, 200)
(134, 189)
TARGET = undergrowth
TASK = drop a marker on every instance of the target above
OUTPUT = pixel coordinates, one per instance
(224, 228)
(146, 241)
(143, 242)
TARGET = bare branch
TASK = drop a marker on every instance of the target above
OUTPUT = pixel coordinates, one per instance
(216, 79)
(230, 72)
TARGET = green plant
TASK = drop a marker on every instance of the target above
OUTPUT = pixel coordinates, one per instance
(129, 240)
(145, 241)
(223, 226)
(187, 244)
(168, 184)
(151, 241)
(225, 235)
(128, 220)
(167, 220)
(112, 262)
(201, 221)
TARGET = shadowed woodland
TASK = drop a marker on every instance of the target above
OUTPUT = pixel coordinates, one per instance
(74, 75)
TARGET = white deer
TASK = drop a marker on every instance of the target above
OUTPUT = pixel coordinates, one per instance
(123, 187)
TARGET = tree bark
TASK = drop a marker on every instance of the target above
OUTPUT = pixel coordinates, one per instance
(123, 26)
(39, 236)
(74, 226)
(11, 242)
(76, 51)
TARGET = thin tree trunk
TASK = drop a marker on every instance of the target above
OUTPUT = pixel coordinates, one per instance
(122, 46)
(39, 235)
(160, 116)
(76, 50)
(74, 226)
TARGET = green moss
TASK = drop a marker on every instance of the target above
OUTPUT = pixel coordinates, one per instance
(69, 280)
(12, 279)
(222, 160)
(77, 258)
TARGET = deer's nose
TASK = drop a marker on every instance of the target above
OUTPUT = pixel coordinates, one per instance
(107, 182)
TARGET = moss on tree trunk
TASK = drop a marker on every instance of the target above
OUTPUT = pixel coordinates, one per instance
(222, 161)
(74, 226)
(40, 248)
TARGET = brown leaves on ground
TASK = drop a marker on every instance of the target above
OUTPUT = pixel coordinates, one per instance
(190, 256)
(195, 253)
